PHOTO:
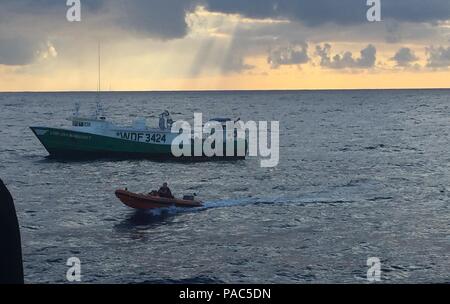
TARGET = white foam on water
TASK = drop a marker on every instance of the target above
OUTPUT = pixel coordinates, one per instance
(207, 205)
(311, 198)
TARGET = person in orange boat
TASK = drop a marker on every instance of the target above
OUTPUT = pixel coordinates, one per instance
(164, 191)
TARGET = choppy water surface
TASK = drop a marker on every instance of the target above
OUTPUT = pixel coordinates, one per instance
(362, 174)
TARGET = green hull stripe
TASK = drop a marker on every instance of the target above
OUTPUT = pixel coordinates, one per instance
(62, 141)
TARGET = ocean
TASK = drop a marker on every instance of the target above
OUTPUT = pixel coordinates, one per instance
(361, 174)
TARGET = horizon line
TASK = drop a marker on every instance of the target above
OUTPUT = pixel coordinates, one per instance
(228, 90)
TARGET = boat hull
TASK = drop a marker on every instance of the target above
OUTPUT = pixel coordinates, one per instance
(62, 143)
(148, 202)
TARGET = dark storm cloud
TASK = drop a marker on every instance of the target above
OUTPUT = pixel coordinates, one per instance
(311, 12)
(161, 18)
(288, 55)
(346, 60)
(12, 8)
(438, 57)
(165, 19)
(25, 26)
(404, 57)
(37, 20)
(345, 12)
(34, 21)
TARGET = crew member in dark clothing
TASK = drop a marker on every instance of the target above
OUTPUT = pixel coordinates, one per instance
(11, 267)
(164, 191)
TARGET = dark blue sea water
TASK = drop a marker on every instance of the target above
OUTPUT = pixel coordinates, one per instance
(362, 174)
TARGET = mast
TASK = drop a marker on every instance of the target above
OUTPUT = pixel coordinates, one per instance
(99, 110)
(99, 69)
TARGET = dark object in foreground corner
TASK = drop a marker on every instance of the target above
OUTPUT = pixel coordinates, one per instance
(11, 267)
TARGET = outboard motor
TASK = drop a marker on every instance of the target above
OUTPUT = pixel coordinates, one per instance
(189, 197)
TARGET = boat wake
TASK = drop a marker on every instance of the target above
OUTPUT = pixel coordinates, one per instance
(206, 206)
(229, 203)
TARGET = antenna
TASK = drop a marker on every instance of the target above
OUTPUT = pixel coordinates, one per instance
(99, 68)
(99, 108)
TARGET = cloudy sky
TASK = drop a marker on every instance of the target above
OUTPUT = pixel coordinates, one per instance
(224, 44)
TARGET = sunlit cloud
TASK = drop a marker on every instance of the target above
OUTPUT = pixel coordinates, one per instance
(218, 44)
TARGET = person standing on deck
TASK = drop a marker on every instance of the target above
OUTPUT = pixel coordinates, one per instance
(164, 191)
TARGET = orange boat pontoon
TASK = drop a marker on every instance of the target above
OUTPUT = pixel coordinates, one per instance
(146, 201)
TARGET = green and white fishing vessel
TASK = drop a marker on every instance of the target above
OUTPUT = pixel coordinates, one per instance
(95, 136)
(98, 137)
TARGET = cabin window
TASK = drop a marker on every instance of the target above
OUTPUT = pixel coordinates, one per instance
(81, 124)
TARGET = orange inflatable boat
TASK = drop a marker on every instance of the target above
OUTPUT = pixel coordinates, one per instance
(145, 201)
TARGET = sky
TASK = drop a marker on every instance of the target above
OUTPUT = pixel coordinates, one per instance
(148, 45)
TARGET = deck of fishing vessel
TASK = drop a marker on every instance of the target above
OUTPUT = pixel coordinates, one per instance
(97, 137)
